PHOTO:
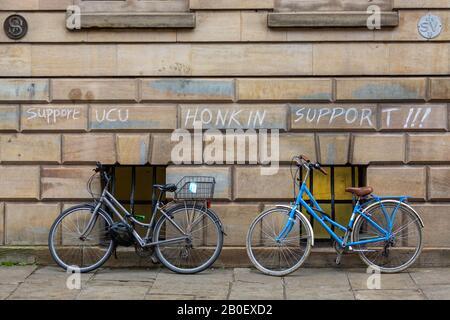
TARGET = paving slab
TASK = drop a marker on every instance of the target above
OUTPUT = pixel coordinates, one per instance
(253, 275)
(323, 293)
(213, 284)
(43, 291)
(15, 274)
(389, 295)
(6, 290)
(56, 276)
(429, 276)
(140, 275)
(241, 290)
(437, 292)
(103, 291)
(170, 297)
(318, 278)
(359, 281)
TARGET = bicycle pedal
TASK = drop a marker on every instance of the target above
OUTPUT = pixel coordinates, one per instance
(154, 259)
(338, 259)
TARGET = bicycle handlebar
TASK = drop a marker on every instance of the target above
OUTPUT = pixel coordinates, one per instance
(302, 159)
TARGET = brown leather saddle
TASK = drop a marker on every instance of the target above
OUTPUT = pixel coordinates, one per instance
(360, 192)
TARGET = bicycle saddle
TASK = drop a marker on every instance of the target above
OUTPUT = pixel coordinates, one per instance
(361, 192)
(166, 187)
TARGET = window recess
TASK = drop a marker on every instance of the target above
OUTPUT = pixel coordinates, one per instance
(330, 13)
(135, 14)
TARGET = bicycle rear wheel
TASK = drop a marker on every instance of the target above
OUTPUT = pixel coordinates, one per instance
(405, 244)
(69, 248)
(204, 243)
(278, 257)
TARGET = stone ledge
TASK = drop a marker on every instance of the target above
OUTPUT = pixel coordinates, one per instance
(230, 257)
(230, 4)
(137, 20)
(328, 19)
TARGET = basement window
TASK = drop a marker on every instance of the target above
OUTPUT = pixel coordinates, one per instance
(134, 14)
(329, 192)
(132, 186)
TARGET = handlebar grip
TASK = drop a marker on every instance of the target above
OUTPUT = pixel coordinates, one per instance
(99, 167)
(304, 158)
(323, 171)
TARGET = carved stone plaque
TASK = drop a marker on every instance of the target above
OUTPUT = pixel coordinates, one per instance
(15, 27)
(430, 26)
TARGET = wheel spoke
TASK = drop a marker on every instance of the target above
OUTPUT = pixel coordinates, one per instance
(404, 246)
(73, 250)
(282, 256)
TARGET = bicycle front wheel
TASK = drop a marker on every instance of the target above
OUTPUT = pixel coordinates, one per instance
(275, 255)
(403, 247)
(202, 246)
(70, 247)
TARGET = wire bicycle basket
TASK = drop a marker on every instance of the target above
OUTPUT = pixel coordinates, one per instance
(195, 188)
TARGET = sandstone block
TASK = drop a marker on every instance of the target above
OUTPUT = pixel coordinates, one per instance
(440, 88)
(9, 117)
(43, 148)
(334, 149)
(428, 147)
(24, 90)
(284, 89)
(133, 117)
(89, 148)
(398, 180)
(333, 116)
(29, 223)
(60, 117)
(217, 26)
(19, 182)
(413, 117)
(236, 218)
(187, 89)
(375, 148)
(94, 90)
(16, 60)
(439, 183)
(381, 89)
(67, 182)
(251, 184)
(132, 149)
(435, 219)
(234, 116)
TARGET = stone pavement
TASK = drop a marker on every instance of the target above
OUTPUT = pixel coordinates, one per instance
(33, 282)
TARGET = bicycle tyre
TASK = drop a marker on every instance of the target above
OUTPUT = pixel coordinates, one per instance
(416, 226)
(163, 254)
(256, 258)
(53, 233)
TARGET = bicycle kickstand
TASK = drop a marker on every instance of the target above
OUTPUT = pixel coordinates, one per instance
(338, 258)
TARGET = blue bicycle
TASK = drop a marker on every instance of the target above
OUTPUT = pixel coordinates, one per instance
(385, 231)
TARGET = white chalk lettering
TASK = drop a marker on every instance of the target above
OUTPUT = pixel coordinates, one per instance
(52, 115)
(112, 115)
(225, 118)
(330, 116)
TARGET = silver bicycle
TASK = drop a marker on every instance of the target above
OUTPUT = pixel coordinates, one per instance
(185, 235)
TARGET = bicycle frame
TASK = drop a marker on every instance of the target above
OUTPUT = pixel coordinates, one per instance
(323, 218)
(108, 199)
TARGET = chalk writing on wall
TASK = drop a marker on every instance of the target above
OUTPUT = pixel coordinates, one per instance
(112, 115)
(225, 117)
(415, 117)
(328, 115)
(52, 115)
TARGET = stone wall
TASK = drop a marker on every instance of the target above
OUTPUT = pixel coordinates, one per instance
(341, 95)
